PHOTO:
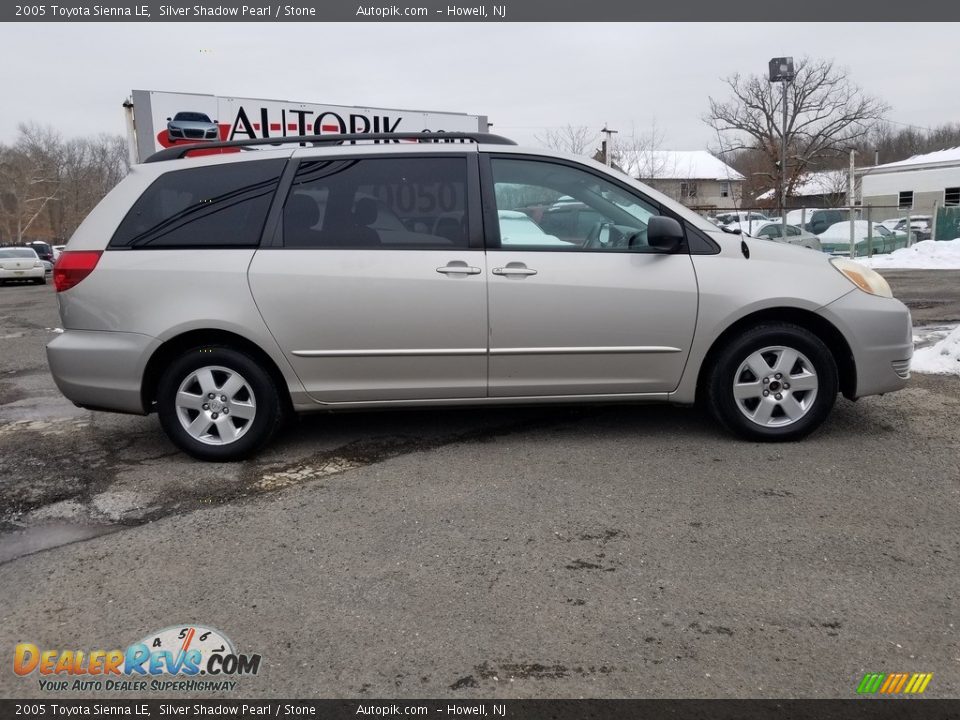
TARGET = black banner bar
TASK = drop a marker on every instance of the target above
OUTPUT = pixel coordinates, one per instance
(478, 11)
(858, 709)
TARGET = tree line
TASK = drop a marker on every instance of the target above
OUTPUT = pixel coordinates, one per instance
(48, 184)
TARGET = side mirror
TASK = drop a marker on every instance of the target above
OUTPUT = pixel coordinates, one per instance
(169, 119)
(664, 234)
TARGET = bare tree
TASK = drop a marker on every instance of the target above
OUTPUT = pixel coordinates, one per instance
(638, 153)
(827, 114)
(48, 185)
(88, 168)
(834, 186)
(28, 182)
(574, 139)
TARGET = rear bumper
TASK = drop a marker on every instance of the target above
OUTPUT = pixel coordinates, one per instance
(22, 274)
(101, 370)
(880, 334)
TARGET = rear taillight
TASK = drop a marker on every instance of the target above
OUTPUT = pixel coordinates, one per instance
(73, 266)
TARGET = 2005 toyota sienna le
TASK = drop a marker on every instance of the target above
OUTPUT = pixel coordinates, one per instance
(328, 273)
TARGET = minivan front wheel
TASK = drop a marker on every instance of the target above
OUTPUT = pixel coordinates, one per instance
(218, 404)
(774, 382)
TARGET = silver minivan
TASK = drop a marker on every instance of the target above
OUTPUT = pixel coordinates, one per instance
(327, 273)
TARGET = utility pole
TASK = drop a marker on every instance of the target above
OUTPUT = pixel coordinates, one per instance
(607, 143)
(781, 71)
(851, 197)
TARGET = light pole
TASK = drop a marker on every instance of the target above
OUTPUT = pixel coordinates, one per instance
(607, 143)
(781, 71)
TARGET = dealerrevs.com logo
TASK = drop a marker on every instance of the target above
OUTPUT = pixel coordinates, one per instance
(178, 658)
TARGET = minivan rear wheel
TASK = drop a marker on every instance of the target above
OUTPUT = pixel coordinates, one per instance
(774, 382)
(216, 403)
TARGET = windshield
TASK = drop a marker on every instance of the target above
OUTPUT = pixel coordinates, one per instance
(191, 117)
(17, 253)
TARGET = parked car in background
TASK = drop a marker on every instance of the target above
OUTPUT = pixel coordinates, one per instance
(921, 226)
(192, 126)
(517, 228)
(57, 249)
(795, 236)
(819, 219)
(21, 263)
(742, 220)
(836, 239)
(44, 250)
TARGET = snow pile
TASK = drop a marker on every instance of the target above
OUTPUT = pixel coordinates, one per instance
(925, 255)
(942, 358)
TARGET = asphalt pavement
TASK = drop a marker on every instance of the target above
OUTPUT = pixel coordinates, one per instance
(619, 551)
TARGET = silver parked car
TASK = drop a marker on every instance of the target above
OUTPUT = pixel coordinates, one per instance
(794, 235)
(224, 292)
(21, 263)
(192, 126)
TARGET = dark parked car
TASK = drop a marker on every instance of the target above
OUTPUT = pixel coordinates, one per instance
(44, 250)
(820, 220)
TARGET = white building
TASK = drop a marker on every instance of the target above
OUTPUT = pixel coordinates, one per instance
(824, 189)
(694, 177)
(918, 184)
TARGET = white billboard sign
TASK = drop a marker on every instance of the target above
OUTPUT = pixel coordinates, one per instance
(165, 119)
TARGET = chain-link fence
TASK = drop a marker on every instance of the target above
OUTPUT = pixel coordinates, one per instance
(947, 223)
(858, 231)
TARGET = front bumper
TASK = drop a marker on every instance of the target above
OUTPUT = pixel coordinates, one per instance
(101, 370)
(880, 334)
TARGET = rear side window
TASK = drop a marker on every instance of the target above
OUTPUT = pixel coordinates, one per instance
(378, 203)
(214, 206)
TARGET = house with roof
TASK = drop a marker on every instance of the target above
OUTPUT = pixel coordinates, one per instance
(693, 177)
(824, 189)
(917, 185)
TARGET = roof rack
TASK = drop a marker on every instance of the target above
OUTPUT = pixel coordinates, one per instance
(179, 151)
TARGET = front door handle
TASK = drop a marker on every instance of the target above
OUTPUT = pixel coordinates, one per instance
(458, 267)
(514, 269)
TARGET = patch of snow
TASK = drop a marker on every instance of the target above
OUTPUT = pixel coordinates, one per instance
(941, 358)
(827, 182)
(950, 155)
(840, 232)
(676, 165)
(925, 255)
(927, 335)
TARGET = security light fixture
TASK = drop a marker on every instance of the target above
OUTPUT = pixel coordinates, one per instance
(781, 69)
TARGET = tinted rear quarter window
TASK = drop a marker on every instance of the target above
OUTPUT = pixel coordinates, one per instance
(214, 206)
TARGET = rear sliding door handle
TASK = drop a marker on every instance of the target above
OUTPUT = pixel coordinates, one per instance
(514, 271)
(458, 267)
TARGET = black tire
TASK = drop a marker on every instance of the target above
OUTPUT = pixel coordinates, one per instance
(269, 408)
(720, 391)
(40, 281)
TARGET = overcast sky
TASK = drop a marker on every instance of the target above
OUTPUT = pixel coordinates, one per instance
(525, 77)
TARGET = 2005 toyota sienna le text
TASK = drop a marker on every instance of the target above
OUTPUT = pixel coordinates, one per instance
(226, 291)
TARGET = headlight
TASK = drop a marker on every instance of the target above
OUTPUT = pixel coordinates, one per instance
(863, 277)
